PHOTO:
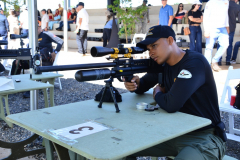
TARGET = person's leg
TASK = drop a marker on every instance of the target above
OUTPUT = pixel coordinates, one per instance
(69, 22)
(79, 44)
(199, 40)
(235, 50)
(200, 145)
(210, 43)
(60, 25)
(192, 37)
(223, 40)
(105, 37)
(5, 37)
(139, 24)
(160, 150)
(230, 47)
(85, 41)
(144, 27)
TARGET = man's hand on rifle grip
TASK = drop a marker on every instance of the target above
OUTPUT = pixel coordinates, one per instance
(133, 85)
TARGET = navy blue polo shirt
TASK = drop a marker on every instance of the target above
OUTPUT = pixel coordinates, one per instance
(164, 14)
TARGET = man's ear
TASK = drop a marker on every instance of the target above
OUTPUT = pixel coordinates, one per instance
(170, 40)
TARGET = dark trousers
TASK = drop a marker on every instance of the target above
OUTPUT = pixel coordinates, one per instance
(235, 50)
(82, 41)
(106, 36)
(195, 38)
(4, 35)
(61, 24)
(230, 47)
(22, 65)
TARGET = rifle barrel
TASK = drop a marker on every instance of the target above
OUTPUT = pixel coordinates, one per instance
(72, 67)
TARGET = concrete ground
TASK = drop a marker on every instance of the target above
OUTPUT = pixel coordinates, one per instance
(72, 57)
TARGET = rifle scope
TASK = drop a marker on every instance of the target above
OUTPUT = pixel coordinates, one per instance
(103, 51)
(3, 42)
(15, 36)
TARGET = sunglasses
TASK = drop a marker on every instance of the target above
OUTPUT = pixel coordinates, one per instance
(180, 6)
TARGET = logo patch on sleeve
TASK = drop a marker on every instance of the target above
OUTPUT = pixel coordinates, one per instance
(185, 74)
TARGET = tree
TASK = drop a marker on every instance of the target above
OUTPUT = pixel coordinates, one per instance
(14, 3)
(127, 15)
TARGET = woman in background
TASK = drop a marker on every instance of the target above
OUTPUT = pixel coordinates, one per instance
(13, 27)
(180, 14)
(56, 19)
(50, 15)
(195, 19)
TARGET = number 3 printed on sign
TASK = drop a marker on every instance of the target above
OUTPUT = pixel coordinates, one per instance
(75, 131)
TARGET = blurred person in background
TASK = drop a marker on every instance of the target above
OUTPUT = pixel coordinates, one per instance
(71, 20)
(216, 27)
(45, 20)
(4, 27)
(195, 19)
(50, 14)
(13, 27)
(165, 14)
(179, 14)
(143, 19)
(56, 19)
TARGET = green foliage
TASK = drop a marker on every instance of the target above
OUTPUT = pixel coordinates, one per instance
(14, 3)
(127, 15)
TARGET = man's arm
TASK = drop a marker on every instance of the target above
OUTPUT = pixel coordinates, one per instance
(170, 20)
(6, 24)
(198, 20)
(56, 40)
(206, 20)
(170, 17)
(190, 78)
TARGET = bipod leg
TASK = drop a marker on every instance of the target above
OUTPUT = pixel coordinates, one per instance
(114, 99)
(103, 94)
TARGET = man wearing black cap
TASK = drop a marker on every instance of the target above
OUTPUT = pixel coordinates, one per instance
(4, 27)
(82, 28)
(187, 86)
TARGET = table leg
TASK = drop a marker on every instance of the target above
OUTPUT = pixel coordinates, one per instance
(45, 97)
(49, 149)
(51, 81)
(2, 112)
(62, 152)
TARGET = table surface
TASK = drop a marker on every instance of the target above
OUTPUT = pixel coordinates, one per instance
(46, 75)
(135, 130)
(25, 85)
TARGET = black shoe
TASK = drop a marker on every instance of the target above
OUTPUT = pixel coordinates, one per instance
(220, 63)
(69, 29)
(26, 94)
(228, 63)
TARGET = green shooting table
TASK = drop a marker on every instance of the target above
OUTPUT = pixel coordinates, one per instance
(45, 77)
(128, 132)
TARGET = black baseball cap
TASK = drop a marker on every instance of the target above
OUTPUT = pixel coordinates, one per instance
(80, 4)
(155, 33)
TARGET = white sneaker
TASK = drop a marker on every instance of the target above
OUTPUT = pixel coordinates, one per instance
(233, 61)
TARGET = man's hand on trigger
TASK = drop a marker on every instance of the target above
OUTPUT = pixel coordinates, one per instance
(133, 85)
(53, 57)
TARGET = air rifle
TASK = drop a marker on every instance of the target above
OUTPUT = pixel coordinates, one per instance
(124, 66)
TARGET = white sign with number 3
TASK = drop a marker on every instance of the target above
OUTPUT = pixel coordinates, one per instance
(81, 130)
